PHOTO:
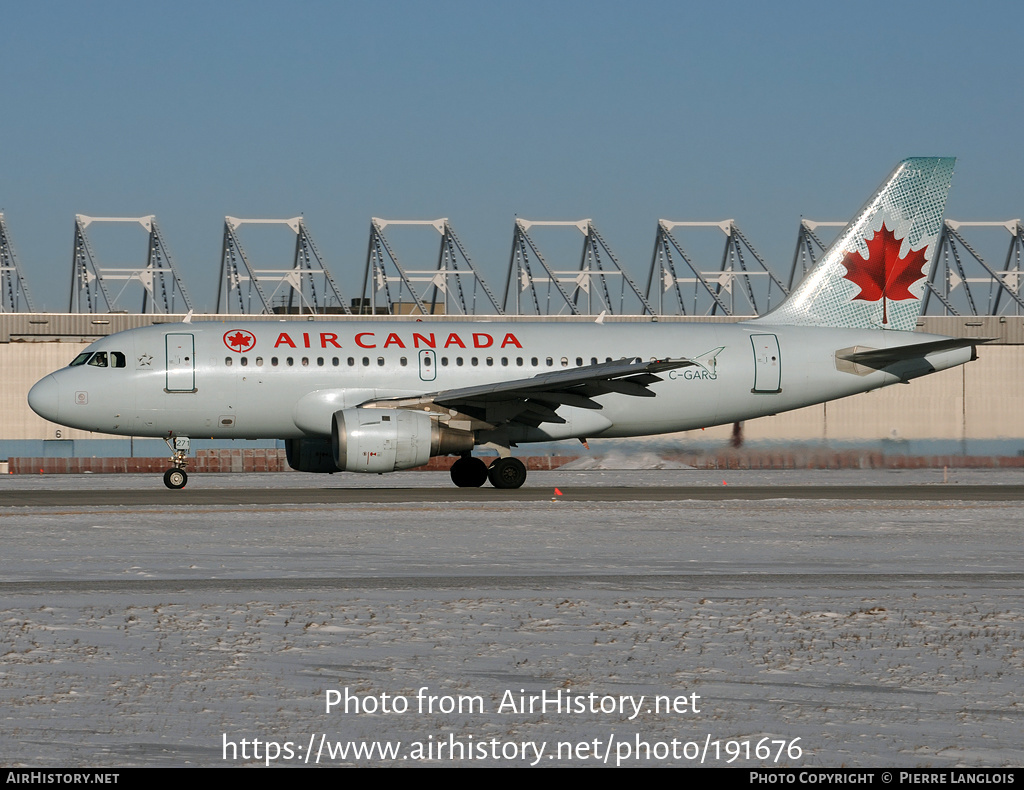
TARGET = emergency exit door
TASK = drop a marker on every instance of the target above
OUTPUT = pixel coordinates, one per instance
(428, 365)
(767, 363)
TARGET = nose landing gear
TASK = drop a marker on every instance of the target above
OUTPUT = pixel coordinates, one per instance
(176, 476)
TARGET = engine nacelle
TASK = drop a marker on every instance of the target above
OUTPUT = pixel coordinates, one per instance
(310, 455)
(385, 440)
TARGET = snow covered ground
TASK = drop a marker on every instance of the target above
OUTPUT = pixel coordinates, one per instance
(876, 633)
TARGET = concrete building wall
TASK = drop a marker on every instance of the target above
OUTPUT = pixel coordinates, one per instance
(21, 366)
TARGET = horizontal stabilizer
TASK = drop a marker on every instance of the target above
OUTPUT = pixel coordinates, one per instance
(880, 357)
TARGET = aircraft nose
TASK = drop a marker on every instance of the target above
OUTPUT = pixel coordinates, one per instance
(44, 398)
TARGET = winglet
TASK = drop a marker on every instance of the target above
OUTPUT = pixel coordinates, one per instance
(188, 318)
(707, 360)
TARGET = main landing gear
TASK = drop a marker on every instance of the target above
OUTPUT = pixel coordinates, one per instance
(507, 473)
(176, 476)
(470, 472)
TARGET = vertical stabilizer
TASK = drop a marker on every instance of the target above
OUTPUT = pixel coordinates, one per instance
(874, 274)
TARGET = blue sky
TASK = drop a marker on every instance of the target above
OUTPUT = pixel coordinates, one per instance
(479, 111)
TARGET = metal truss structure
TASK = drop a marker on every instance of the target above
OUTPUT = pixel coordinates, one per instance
(805, 257)
(962, 282)
(306, 287)
(12, 281)
(162, 286)
(588, 289)
(391, 288)
(711, 291)
(989, 292)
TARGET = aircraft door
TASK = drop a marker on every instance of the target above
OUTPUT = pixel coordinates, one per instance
(428, 365)
(181, 362)
(767, 363)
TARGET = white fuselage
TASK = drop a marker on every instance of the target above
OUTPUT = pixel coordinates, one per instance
(245, 379)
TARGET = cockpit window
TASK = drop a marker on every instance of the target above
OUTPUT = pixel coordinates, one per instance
(99, 359)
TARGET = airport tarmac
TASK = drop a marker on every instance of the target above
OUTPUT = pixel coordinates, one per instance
(881, 631)
(196, 495)
(661, 485)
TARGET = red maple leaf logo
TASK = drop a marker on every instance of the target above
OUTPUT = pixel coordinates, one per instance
(883, 274)
(239, 341)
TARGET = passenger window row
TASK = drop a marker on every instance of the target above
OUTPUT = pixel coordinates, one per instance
(116, 359)
(404, 361)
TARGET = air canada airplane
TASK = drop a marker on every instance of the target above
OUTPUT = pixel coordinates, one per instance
(382, 396)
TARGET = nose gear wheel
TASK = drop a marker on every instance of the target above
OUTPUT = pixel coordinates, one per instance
(175, 478)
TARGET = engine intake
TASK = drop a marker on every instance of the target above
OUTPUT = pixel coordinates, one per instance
(385, 440)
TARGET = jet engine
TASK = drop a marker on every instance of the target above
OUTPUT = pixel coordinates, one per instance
(385, 440)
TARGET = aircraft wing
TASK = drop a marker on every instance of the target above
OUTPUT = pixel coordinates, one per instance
(533, 400)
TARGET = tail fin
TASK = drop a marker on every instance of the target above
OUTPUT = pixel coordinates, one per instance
(873, 276)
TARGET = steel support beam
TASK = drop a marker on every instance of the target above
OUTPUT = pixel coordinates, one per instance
(307, 287)
(576, 292)
(162, 285)
(732, 276)
(15, 295)
(389, 287)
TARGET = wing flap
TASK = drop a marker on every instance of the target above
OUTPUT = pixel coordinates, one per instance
(563, 380)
